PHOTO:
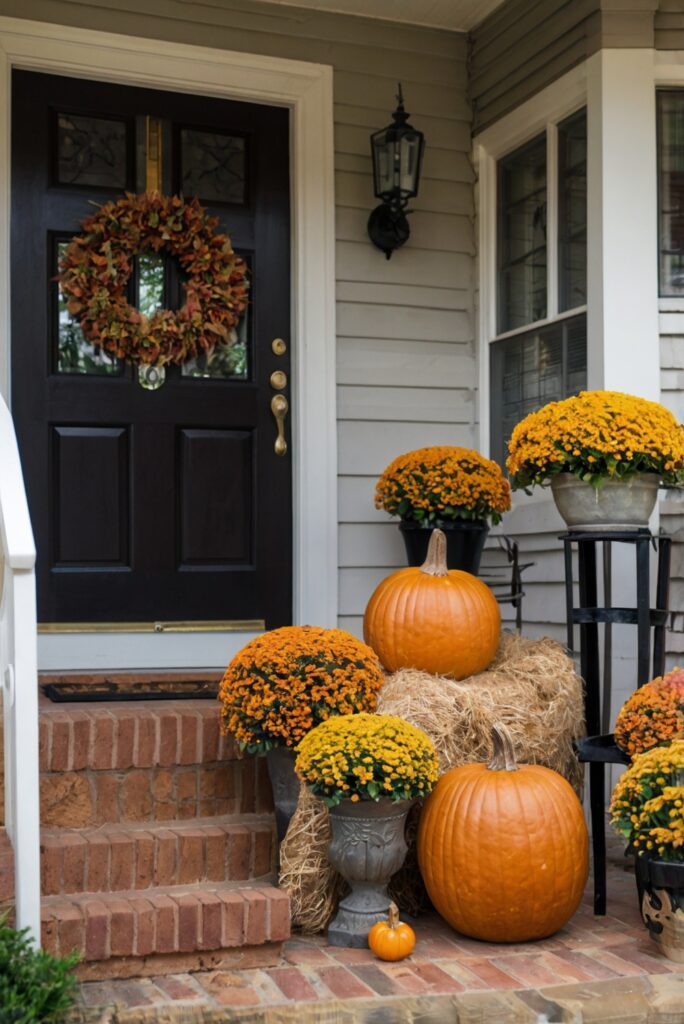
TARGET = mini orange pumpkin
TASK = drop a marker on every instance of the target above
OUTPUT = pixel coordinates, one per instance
(503, 849)
(442, 621)
(392, 939)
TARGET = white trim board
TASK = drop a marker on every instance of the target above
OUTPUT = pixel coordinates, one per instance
(307, 90)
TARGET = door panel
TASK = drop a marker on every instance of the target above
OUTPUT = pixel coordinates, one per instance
(216, 514)
(150, 505)
(90, 496)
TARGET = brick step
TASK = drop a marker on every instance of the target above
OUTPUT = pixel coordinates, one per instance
(143, 761)
(120, 859)
(119, 735)
(151, 931)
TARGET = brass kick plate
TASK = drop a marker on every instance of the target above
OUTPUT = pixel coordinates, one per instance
(228, 626)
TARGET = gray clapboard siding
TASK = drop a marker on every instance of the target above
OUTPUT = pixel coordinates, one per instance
(369, 403)
(403, 323)
(403, 295)
(669, 25)
(366, 448)
(435, 232)
(406, 349)
(523, 46)
(426, 364)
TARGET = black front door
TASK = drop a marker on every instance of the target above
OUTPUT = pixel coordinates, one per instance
(167, 504)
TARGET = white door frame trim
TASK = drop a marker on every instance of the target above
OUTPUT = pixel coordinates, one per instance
(307, 90)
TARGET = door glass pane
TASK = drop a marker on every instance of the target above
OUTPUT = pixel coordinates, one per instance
(151, 274)
(91, 151)
(522, 236)
(226, 362)
(213, 166)
(534, 368)
(572, 211)
(75, 354)
(671, 191)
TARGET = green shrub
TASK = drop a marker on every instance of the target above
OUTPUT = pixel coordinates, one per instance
(34, 986)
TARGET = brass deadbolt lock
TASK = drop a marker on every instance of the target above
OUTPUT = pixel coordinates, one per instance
(279, 347)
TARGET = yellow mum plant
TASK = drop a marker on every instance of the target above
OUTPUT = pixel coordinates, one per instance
(648, 803)
(366, 757)
(653, 716)
(283, 683)
(597, 435)
(441, 484)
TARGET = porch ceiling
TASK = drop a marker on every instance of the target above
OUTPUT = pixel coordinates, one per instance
(454, 15)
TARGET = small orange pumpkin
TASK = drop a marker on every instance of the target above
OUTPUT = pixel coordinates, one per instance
(442, 621)
(503, 849)
(392, 939)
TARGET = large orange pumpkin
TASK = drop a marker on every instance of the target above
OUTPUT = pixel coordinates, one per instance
(503, 848)
(442, 621)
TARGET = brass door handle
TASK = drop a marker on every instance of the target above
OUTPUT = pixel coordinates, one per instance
(279, 407)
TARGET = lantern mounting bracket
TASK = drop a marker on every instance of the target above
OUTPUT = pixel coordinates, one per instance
(388, 227)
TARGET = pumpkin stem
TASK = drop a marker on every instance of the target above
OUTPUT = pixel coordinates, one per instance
(393, 915)
(503, 757)
(435, 563)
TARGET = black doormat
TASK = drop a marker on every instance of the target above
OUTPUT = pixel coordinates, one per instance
(111, 689)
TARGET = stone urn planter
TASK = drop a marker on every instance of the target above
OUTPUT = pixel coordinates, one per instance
(465, 541)
(660, 884)
(280, 762)
(367, 848)
(615, 505)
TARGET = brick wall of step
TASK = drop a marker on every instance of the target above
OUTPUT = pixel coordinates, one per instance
(158, 849)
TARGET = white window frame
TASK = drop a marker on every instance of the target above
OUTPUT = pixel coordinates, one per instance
(540, 114)
(668, 73)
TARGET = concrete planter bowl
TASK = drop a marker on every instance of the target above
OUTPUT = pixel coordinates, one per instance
(615, 505)
(367, 848)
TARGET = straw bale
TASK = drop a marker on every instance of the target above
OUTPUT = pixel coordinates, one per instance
(531, 688)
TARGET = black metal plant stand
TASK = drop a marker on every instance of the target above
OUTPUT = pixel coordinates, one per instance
(599, 748)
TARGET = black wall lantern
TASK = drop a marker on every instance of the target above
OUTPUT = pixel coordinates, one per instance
(397, 152)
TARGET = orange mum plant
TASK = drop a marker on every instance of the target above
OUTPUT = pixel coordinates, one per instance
(653, 716)
(285, 682)
(441, 484)
(597, 435)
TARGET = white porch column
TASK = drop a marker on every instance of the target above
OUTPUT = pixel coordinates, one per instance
(622, 244)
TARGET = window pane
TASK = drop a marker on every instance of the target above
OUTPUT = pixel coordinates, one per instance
(213, 166)
(671, 191)
(91, 151)
(522, 236)
(74, 353)
(532, 369)
(572, 211)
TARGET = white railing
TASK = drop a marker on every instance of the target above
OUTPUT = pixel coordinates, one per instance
(19, 675)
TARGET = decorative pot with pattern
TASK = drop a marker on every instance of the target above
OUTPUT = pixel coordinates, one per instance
(615, 505)
(367, 848)
(660, 884)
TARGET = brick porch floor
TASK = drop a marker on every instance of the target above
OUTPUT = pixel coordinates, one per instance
(595, 969)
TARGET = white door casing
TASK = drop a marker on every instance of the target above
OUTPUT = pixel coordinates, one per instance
(307, 90)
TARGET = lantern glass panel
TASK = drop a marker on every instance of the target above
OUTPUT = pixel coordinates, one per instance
(409, 162)
(383, 164)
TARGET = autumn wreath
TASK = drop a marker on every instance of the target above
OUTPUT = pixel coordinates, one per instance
(96, 267)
